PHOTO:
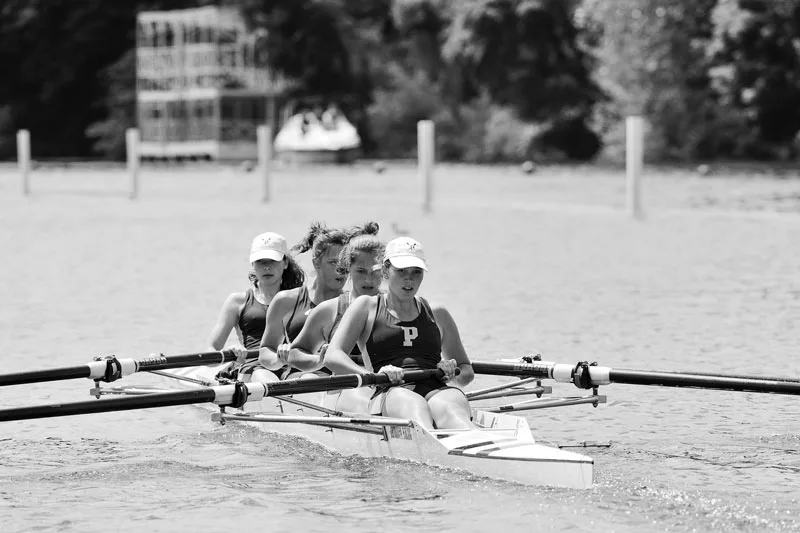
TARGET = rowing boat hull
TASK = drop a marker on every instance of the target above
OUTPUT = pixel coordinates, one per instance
(503, 447)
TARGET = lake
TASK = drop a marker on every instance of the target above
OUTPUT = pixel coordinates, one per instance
(707, 280)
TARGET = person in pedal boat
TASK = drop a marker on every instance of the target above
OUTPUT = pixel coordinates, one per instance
(361, 258)
(289, 309)
(272, 269)
(399, 331)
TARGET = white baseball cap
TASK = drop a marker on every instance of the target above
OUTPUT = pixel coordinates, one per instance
(405, 252)
(268, 246)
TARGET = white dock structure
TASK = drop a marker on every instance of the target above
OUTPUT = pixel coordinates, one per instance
(203, 85)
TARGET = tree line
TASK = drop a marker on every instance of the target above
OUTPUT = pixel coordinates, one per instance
(504, 80)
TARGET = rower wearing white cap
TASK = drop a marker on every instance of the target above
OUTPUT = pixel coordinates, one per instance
(399, 331)
(272, 270)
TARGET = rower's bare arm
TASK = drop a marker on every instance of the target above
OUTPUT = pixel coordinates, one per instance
(350, 330)
(453, 348)
(226, 320)
(304, 351)
(280, 305)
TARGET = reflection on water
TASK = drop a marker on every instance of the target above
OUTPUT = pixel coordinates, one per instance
(88, 276)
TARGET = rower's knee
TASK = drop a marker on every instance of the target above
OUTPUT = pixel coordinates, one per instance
(403, 403)
(450, 410)
(261, 375)
(354, 400)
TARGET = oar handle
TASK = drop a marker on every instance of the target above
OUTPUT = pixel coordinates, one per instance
(345, 381)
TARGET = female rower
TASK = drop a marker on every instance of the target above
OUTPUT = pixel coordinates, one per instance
(272, 270)
(289, 309)
(399, 331)
(360, 258)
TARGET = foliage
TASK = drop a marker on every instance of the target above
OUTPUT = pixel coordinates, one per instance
(523, 54)
(651, 61)
(479, 131)
(51, 54)
(484, 132)
(502, 79)
(120, 78)
(755, 73)
(396, 110)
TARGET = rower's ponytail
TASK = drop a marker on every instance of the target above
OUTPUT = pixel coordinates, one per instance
(368, 228)
(307, 242)
(320, 238)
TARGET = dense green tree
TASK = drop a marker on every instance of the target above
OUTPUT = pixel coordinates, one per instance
(756, 77)
(650, 60)
(524, 54)
(52, 51)
(715, 78)
(324, 45)
(521, 55)
(54, 56)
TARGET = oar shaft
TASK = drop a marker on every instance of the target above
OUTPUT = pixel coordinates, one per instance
(223, 395)
(743, 376)
(112, 368)
(42, 376)
(702, 381)
(127, 403)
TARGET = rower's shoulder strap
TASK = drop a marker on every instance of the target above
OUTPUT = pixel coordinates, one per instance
(426, 308)
(237, 301)
(371, 315)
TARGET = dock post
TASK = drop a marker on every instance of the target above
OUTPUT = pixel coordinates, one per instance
(634, 162)
(132, 154)
(426, 158)
(264, 135)
(24, 160)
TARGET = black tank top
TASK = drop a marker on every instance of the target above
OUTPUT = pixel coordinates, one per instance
(414, 344)
(302, 306)
(342, 304)
(252, 321)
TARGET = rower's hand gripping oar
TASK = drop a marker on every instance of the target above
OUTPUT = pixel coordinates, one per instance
(587, 376)
(234, 395)
(112, 368)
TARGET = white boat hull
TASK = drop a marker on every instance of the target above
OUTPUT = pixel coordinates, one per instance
(503, 447)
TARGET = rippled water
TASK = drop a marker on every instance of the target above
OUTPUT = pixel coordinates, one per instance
(709, 280)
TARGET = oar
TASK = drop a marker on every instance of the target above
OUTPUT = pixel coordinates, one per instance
(586, 376)
(112, 368)
(537, 369)
(234, 395)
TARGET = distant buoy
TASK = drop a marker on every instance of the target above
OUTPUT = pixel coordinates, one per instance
(379, 167)
(528, 167)
(703, 170)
